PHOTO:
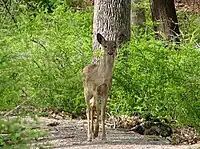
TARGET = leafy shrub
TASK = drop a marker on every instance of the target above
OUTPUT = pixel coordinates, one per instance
(13, 132)
(46, 58)
(51, 5)
(190, 33)
(157, 80)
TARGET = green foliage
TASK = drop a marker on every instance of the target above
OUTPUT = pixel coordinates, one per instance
(188, 23)
(51, 5)
(159, 80)
(45, 55)
(14, 132)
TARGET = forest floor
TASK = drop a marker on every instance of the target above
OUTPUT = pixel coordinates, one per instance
(71, 134)
(188, 5)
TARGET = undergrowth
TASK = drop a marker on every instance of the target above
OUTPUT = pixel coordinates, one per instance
(43, 54)
(15, 133)
(157, 80)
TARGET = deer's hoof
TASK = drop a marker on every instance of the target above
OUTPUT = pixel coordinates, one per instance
(96, 134)
(89, 139)
(103, 138)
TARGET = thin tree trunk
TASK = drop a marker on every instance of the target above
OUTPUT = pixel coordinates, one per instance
(165, 20)
(111, 18)
(137, 13)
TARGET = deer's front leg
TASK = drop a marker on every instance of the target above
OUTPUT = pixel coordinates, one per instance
(89, 136)
(103, 112)
(92, 120)
(88, 114)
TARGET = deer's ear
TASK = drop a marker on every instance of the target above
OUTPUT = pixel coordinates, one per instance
(100, 38)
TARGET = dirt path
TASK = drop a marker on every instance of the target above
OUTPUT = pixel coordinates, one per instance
(71, 134)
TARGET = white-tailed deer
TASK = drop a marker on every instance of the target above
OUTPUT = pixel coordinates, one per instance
(97, 81)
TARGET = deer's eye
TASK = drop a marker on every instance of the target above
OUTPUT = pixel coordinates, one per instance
(106, 47)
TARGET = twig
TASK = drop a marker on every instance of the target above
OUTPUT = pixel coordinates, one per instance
(18, 106)
(39, 44)
(11, 15)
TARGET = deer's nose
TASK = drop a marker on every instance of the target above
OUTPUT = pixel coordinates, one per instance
(110, 52)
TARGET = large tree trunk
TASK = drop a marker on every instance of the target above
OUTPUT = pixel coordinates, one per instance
(137, 13)
(111, 18)
(165, 19)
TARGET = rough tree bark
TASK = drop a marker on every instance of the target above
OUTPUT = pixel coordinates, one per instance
(165, 20)
(111, 18)
(137, 13)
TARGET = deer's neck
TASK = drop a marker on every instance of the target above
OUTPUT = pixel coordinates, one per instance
(106, 65)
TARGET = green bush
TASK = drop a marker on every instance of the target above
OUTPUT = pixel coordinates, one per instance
(14, 133)
(189, 21)
(157, 80)
(50, 5)
(45, 57)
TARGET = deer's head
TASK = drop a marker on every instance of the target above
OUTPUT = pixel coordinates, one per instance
(109, 47)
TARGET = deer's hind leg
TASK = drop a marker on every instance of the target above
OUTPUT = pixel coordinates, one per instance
(104, 91)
